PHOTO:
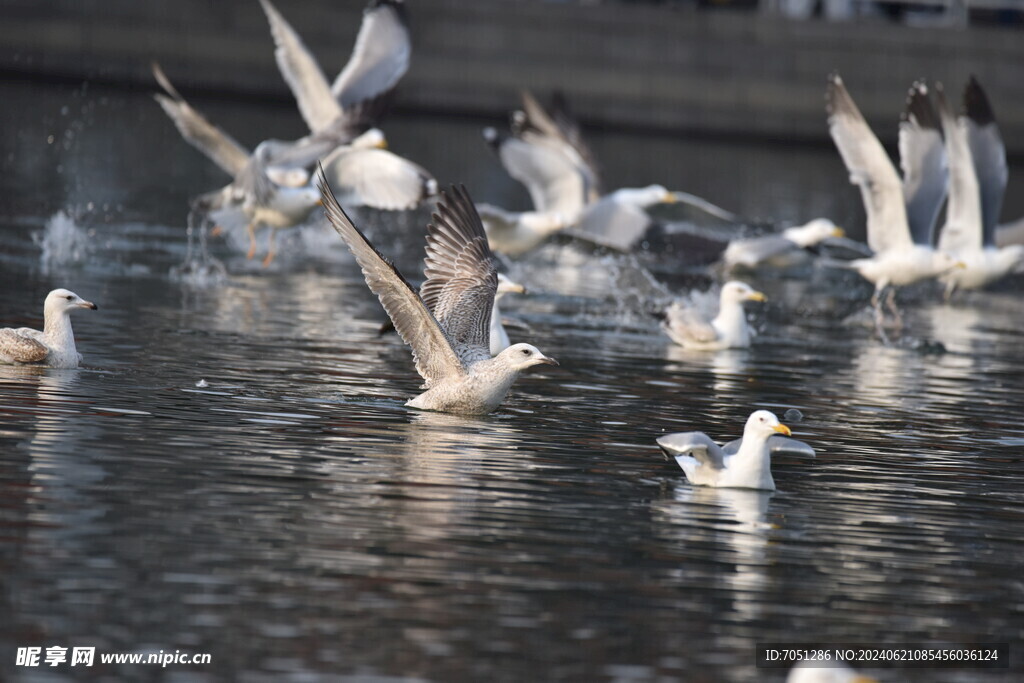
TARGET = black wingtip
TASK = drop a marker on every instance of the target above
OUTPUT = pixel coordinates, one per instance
(976, 104)
(919, 107)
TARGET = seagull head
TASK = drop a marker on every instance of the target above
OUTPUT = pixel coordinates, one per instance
(944, 262)
(371, 139)
(762, 423)
(814, 232)
(736, 292)
(64, 301)
(508, 286)
(522, 356)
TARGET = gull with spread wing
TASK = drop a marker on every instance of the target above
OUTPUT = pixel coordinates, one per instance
(900, 214)
(744, 464)
(447, 324)
(978, 177)
(689, 327)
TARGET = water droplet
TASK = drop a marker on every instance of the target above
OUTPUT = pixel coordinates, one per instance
(793, 415)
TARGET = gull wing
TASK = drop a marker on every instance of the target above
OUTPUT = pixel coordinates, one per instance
(378, 178)
(573, 134)
(695, 444)
(220, 147)
(870, 169)
(989, 156)
(754, 250)
(777, 445)
(380, 56)
(923, 160)
(963, 215)
(461, 275)
(614, 224)
(553, 180)
(16, 347)
(302, 72)
(561, 131)
(431, 351)
(685, 323)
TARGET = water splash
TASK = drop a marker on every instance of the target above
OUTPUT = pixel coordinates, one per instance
(63, 242)
(200, 269)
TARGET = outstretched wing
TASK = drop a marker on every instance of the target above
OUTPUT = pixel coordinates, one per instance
(20, 348)
(923, 159)
(962, 230)
(220, 147)
(432, 352)
(380, 56)
(461, 275)
(302, 72)
(989, 156)
(695, 444)
(870, 169)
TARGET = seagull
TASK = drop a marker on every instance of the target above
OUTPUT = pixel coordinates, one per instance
(978, 176)
(261, 200)
(817, 672)
(686, 326)
(499, 337)
(752, 252)
(55, 345)
(379, 59)
(900, 215)
(361, 174)
(747, 465)
(516, 232)
(447, 324)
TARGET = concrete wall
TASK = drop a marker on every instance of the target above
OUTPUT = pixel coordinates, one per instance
(678, 70)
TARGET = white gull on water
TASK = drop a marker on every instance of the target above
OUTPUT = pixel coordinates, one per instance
(744, 464)
(447, 325)
(690, 328)
(55, 345)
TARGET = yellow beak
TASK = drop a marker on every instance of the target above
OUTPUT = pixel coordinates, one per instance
(782, 429)
(757, 296)
(382, 144)
(669, 198)
(961, 264)
(838, 232)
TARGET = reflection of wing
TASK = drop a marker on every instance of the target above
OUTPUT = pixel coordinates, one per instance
(18, 347)
(696, 444)
(197, 131)
(923, 159)
(461, 276)
(432, 352)
(302, 73)
(777, 445)
(377, 178)
(989, 156)
(683, 323)
(870, 169)
(380, 56)
(963, 215)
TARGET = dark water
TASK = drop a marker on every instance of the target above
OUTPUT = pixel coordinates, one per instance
(293, 519)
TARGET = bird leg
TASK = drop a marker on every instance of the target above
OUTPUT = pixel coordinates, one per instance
(251, 229)
(270, 247)
(890, 303)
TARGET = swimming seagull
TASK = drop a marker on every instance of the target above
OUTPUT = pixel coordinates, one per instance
(746, 466)
(447, 324)
(900, 215)
(752, 252)
(55, 345)
(688, 327)
(978, 176)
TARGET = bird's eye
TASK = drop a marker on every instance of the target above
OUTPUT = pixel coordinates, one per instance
(69, 297)
(526, 352)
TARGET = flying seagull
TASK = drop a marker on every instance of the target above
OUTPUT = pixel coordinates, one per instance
(900, 214)
(978, 177)
(55, 345)
(447, 324)
(745, 464)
